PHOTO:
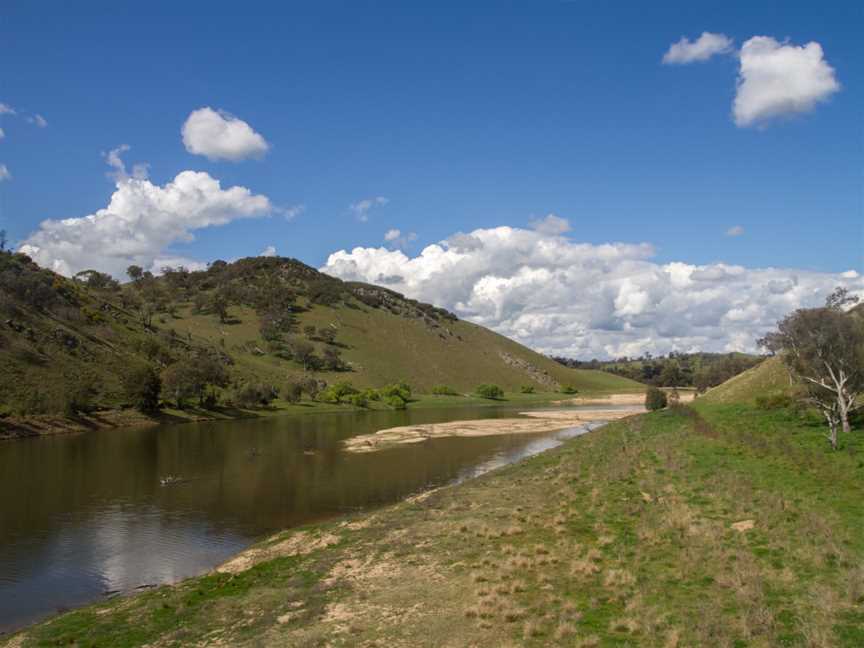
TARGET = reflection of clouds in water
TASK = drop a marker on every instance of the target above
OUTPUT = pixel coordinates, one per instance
(142, 548)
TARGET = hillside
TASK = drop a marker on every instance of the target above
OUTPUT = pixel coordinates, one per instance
(64, 343)
(766, 379)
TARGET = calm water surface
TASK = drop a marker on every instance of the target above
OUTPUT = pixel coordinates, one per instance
(86, 515)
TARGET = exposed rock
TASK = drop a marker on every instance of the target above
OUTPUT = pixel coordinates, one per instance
(537, 375)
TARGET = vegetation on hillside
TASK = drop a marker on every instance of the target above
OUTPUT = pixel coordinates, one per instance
(239, 335)
(699, 370)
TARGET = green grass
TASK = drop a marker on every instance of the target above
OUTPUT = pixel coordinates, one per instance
(765, 379)
(621, 537)
(382, 348)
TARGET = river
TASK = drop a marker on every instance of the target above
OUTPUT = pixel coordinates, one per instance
(88, 515)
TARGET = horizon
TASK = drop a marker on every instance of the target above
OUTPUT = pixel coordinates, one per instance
(589, 181)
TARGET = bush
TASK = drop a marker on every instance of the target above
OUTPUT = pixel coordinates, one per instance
(141, 386)
(254, 395)
(655, 399)
(774, 401)
(527, 389)
(358, 400)
(292, 392)
(395, 402)
(569, 389)
(444, 390)
(492, 392)
(400, 389)
(338, 393)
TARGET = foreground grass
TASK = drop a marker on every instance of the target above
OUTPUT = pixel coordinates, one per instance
(622, 537)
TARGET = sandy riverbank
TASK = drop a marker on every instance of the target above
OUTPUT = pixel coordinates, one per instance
(533, 422)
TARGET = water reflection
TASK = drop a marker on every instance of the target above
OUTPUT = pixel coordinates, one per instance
(84, 515)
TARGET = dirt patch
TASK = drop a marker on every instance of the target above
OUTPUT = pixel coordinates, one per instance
(534, 422)
(744, 525)
(297, 544)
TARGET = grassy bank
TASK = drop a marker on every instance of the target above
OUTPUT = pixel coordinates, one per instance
(716, 525)
(44, 425)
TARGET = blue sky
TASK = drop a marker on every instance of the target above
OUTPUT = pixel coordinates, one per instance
(463, 115)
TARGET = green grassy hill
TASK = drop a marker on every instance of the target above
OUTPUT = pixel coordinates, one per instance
(63, 339)
(768, 378)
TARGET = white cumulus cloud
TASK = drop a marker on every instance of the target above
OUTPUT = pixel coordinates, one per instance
(38, 120)
(361, 208)
(551, 225)
(4, 173)
(140, 222)
(778, 79)
(218, 135)
(6, 109)
(702, 49)
(735, 230)
(269, 251)
(583, 300)
(397, 239)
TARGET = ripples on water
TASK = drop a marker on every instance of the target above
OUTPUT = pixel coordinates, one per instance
(83, 516)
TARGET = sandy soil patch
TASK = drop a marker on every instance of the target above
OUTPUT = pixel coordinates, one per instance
(534, 422)
(299, 543)
(685, 395)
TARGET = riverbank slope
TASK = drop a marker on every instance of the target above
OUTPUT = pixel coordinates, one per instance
(736, 517)
(17, 427)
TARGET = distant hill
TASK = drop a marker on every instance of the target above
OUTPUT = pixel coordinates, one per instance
(700, 370)
(769, 378)
(268, 320)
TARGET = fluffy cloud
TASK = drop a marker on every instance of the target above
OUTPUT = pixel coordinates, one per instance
(38, 120)
(219, 135)
(583, 300)
(702, 49)
(778, 79)
(6, 109)
(361, 208)
(551, 225)
(4, 173)
(269, 251)
(735, 230)
(397, 239)
(2, 134)
(140, 222)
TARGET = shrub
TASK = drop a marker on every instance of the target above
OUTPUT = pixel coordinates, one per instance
(141, 386)
(400, 389)
(569, 389)
(254, 395)
(358, 400)
(338, 393)
(372, 394)
(492, 392)
(527, 389)
(444, 390)
(655, 399)
(292, 392)
(78, 399)
(774, 401)
(395, 402)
